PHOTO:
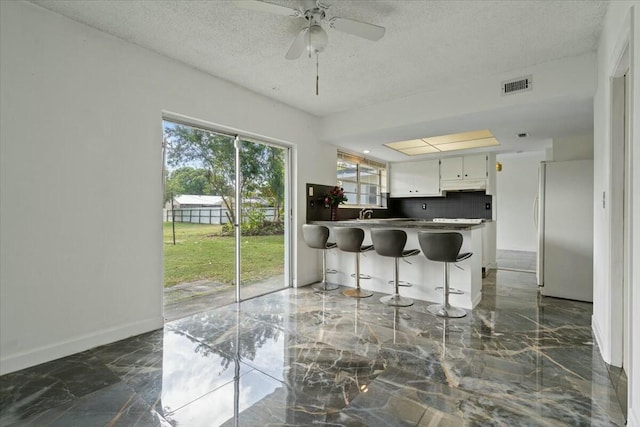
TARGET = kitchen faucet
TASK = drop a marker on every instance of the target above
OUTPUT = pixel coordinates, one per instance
(365, 213)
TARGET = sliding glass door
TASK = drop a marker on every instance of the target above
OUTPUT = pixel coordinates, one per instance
(263, 260)
(225, 226)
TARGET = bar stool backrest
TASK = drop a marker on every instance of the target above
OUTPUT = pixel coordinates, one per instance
(442, 247)
(315, 236)
(349, 239)
(389, 242)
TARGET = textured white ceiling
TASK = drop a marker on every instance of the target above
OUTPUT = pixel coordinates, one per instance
(428, 44)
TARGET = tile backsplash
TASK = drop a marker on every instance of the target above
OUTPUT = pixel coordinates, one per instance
(316, 210)
(467, 204)
(464, 204)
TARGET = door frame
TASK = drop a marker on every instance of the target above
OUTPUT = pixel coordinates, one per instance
(239, 135)
(619, 155)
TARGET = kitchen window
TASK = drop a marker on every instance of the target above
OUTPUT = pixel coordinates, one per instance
(363, 180)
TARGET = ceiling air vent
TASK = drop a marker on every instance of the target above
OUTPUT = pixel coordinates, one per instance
(521, 84)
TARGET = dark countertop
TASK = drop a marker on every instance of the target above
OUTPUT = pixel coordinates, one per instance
(398, 223)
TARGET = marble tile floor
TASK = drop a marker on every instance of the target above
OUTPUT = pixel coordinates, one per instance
(620, 384)
(186, 299)
(297, 358)
(516, 260)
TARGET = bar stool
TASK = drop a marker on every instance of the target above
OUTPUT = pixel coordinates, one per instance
(350, 239)
(390, 243)
(443, 247)
(316, 236)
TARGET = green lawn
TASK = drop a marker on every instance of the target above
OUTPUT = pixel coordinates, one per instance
(200, 253)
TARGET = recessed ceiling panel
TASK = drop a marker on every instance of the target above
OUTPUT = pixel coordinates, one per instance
(427, 149)
(455, 137)
(442, 143)
(467, 145)
(406, 144)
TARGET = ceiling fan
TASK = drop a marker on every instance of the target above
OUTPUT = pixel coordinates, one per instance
(313, 36)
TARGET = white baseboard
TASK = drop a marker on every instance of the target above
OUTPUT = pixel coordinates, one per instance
(605, 352)
(306, 280)
(633, 418)
(74, 345)
(597, 334)
(476, 300)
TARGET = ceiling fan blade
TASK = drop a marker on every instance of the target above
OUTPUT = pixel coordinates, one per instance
(298, 45)
(262, 6)
(360, 29)
(308, 4)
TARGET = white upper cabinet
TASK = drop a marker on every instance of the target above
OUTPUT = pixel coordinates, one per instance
(475, 167)
(430, 178)
(467, 167)
(415, 179)
(473, 172)
(451, 168)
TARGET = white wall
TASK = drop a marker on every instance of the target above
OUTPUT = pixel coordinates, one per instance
(579, 147)
(81, 129)
(570, 78)
(517, 190)
(622, 25)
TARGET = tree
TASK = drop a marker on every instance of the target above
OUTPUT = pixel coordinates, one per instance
(188, 180)
(274, 177)
(216, 154)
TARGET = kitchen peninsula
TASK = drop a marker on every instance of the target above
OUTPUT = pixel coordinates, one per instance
(424, 275)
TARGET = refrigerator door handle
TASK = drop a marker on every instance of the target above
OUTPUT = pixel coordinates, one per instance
(535, 212)
(540, 220)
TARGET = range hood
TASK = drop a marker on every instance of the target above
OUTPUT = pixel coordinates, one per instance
(464, 185)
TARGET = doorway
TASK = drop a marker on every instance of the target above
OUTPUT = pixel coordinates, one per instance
(620, 227)
(224, 224)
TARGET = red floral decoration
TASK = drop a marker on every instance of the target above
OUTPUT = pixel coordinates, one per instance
(335, 197)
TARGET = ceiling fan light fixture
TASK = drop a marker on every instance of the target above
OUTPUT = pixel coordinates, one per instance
(313, 36)
(318, 39)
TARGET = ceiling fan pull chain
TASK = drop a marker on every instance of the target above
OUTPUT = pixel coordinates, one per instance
(317, 75)
(309, 44)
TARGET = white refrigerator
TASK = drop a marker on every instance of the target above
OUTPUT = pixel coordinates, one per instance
(565, 229)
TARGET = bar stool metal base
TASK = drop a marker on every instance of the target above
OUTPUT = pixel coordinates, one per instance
(362, 276)
(402, 283)
(324, 287)
(357, 293)
(452, 291)
(450, 312)
(396, 301)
